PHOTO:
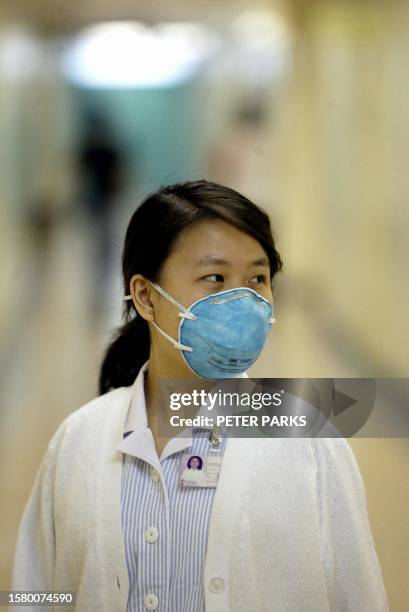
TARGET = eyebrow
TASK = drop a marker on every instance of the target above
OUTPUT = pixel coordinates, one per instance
(210, 260)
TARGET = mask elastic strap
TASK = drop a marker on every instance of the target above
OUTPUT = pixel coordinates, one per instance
(175, 343)
(185, 314)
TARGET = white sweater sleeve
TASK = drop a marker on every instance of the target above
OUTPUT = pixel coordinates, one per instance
(34, 559)
(353, 575)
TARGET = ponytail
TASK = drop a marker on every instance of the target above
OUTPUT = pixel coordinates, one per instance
(125, 355)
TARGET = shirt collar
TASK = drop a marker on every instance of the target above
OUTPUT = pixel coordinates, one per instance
(136, 434)
(137, 416)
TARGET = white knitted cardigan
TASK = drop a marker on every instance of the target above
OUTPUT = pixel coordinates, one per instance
(288, 532)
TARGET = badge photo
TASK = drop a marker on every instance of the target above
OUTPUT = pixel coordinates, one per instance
(200, 470)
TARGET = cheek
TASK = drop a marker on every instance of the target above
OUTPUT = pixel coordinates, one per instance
(181, 283)
(166, 315)
(266, 292)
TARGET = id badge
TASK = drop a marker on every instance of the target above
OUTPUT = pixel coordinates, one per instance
(200, 470)
(203, 470)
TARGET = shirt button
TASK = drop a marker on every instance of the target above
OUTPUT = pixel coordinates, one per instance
(151, 601)
(155, 474)
(151, 534)
(216, 585)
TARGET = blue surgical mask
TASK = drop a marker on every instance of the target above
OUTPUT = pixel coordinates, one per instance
(222, 334)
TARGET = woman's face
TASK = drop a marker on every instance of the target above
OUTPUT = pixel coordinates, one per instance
(194, 463)
(209, 257)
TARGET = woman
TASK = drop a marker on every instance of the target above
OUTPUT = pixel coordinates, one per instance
(108, 517)
(193, 472)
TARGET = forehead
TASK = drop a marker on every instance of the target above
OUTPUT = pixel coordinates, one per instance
(217, 238)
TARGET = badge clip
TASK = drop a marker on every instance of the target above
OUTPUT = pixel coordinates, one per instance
(214, 438)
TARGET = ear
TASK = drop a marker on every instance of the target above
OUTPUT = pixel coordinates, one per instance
(140, 289)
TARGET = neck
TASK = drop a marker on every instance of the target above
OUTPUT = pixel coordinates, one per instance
(160, 370)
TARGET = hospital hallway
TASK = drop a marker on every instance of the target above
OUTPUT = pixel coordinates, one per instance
(321, 149)
(50, 366)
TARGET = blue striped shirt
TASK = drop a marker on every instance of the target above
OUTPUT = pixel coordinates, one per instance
(165, 525)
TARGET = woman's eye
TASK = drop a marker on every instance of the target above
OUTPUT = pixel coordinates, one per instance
(215, 278)
(259, 278)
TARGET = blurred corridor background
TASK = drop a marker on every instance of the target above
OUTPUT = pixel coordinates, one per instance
(301, 105)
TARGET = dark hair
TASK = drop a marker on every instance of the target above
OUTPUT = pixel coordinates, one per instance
(152, 231)
(199, 467)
